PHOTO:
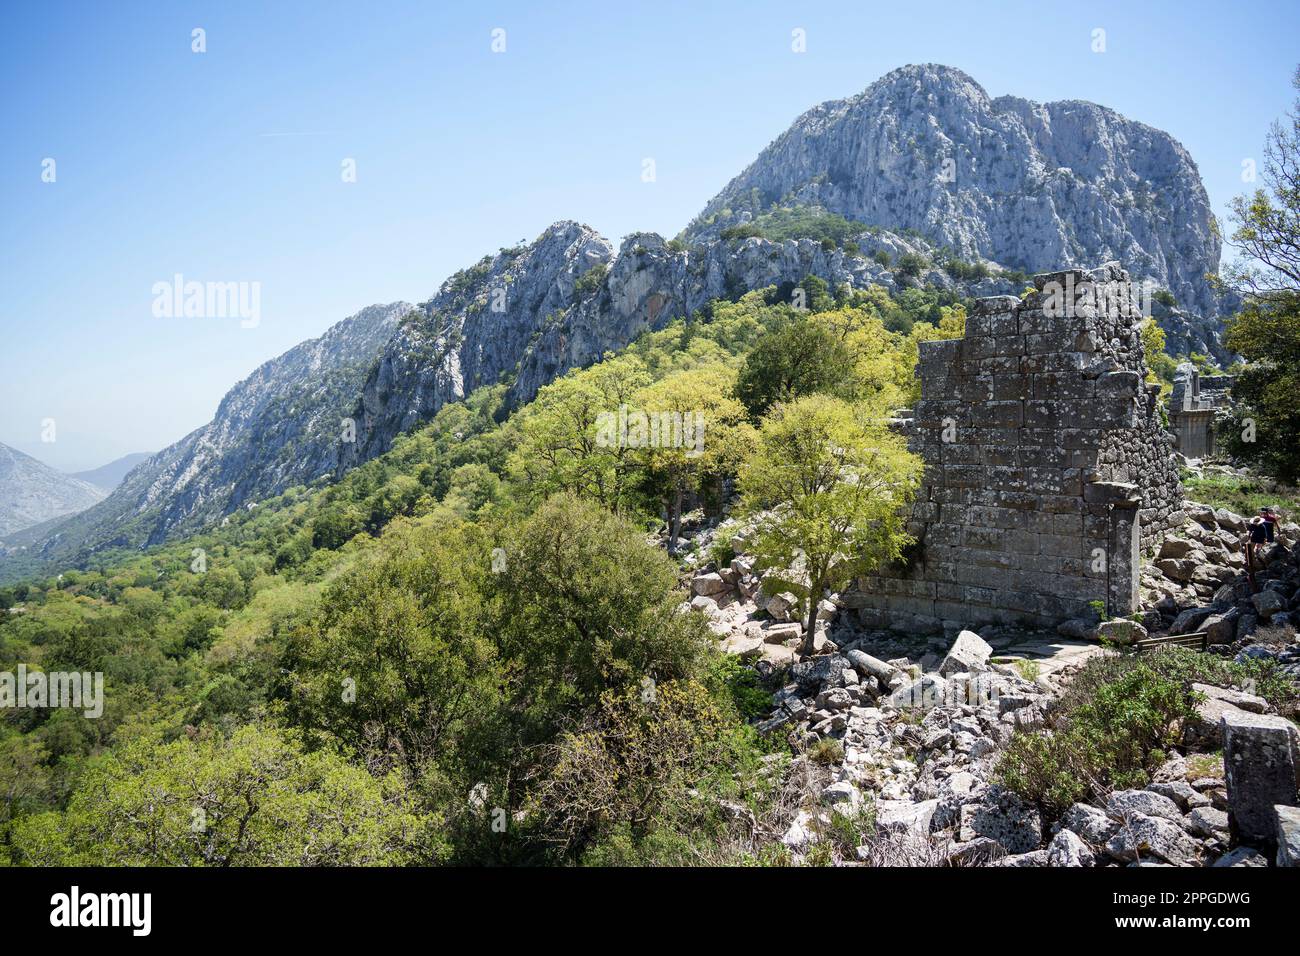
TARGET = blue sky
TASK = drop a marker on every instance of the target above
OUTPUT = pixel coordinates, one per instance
(226, 165)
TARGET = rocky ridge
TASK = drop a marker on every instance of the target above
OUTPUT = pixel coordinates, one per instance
(279, 427)
(1036, 185)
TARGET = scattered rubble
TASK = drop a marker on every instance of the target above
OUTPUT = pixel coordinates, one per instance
(919, 720)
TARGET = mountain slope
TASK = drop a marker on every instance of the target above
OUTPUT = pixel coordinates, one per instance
(32, 492)
(1032, 186)
(279, 427)
(107, 477)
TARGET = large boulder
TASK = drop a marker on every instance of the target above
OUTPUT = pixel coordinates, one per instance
(1141, 835)
(842, 795)
(1078, 628)
(1207, 822)
(834, 698)
(811, 674)
(1203, 730)
(927, 692)
(1067, 849)
(1181, 792)
(969, 652)
(1237, 698)
(1173, 547)
(1188, 621)
(1089, 823)
(1121, 631)
(897, 816)
(1123, 804)
(781, 633)
(1268, 603)
(709, 584)
(1221, 628)
(1242, 856)
(1004, 817)
(1259, 757)
(743, 646)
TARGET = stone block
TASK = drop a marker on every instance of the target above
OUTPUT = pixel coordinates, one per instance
(1259, 759)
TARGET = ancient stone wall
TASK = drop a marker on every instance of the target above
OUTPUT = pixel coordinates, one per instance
(1194, 405)
(1047, 468)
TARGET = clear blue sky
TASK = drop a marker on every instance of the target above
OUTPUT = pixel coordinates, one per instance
(226, 165)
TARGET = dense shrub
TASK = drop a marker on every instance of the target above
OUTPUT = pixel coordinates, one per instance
(1116, 721)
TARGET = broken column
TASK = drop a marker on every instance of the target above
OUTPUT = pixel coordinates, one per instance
(1259, 759)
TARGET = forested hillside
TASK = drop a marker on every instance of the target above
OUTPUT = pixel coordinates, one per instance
(471, 649)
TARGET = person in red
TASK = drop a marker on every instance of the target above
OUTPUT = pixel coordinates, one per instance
(1272, 523)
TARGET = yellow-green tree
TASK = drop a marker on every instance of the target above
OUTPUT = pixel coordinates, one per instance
(255, 799)
(561, 447)
(697, 436)
(829, 487)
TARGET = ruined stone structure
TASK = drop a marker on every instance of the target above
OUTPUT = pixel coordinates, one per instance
(1047, 469)
(1193, 405)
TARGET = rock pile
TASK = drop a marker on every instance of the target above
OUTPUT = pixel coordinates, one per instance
(918, 750)
(910, 728)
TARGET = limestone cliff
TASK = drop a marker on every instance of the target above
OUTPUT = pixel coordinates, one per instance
(1033, 186)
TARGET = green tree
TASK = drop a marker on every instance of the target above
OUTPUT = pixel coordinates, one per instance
(799, 358)
(24, 781)
(584, 604)
(560, 448)
(631, 754)
(829, 488)
(334, 527)
(255, 799)
(1266, 332)
(1266, 429)
(397, 663)
(1161, 366)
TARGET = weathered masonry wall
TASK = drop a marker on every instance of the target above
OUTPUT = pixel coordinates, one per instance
(1194, 404)
(1047, 469)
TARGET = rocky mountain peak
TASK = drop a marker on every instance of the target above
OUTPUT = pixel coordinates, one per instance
(1030, 186)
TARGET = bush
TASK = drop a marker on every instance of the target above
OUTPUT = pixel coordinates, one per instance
(910, 265)
(1112, 727)
(590, 280)
(255, 799)
(826, 750)
(638, 750)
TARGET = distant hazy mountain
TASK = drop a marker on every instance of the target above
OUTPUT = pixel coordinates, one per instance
(279, 427)
(31, 492)
(107, 477)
